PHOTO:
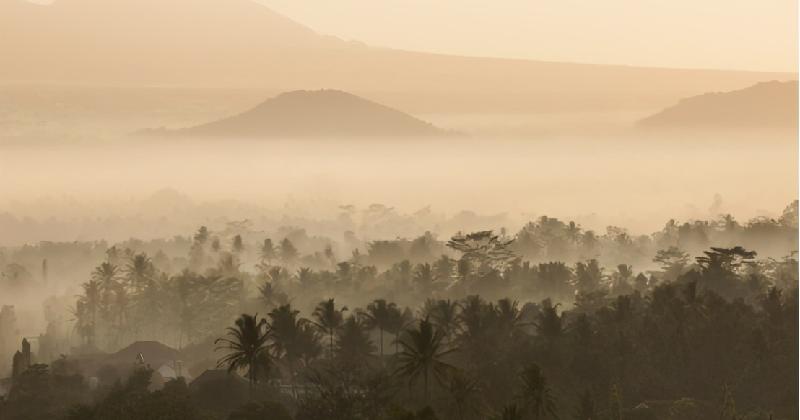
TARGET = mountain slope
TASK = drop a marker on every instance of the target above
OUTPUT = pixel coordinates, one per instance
(239, 43)
(764, 105)
(306, 114)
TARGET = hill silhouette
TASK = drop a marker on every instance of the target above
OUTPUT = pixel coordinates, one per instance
(306, 114)
(243, 44)
(764, 105)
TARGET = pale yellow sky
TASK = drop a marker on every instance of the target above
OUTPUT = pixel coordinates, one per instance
(725, 34)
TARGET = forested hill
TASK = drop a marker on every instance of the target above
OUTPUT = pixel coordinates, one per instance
(764, 105)
(309, 114)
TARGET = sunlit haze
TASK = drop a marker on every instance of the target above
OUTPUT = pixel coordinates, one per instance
(398, 210)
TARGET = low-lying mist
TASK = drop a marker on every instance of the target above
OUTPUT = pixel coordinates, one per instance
(106, 190)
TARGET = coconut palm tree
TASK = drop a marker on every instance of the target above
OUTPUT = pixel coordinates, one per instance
(444, 314)
(271, 296)
(246, 347)
(549, 324)
(329, 319)
(190, 294)
(353, 343)
(86, 311)
(288, 252)
(379, 315)
(149, 305)
(293, 339)
(477, 322)
(140, 272)
(106, 275)
(267, 252)
(397, 322)
(285, 326)
(423, 355)
(508, 315)
(119, 315)
(472, 313)
(536, 395)
(238, 245)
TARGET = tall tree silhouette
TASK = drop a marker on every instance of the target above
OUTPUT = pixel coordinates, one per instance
(246, 347)
(329, 319)
(423, 355)
(379, 315)
(535, 394)
(293, 339)
(353, 345)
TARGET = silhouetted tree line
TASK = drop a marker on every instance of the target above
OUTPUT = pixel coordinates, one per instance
(471, 328)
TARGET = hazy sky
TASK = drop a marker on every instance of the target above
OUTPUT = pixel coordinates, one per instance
(729, 34)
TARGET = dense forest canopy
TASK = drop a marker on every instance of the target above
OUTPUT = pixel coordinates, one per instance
(212, 211)
(697, 320)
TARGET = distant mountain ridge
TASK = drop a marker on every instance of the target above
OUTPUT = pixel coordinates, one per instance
(243, 44)
(764, 105)
(313, 114)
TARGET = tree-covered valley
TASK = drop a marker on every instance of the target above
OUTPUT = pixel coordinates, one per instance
(551, 321)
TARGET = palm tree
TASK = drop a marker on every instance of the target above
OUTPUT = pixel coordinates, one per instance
(238, 244)
(476, 320)
(247, 348)
(120, 315)
(140, 271)
(288, 252)
(285, 326)
(149, 305)
(267, 252)
(272, 297)
(397, 322)
(536, 394)
(353, 343)
(106, 275)
(86, 311)
(471, 316)
(329, 319)
(423, 354)
(190, 292)
(444, 314)
(379, 315)
(549, 324)
(292, 338)
(509, 315)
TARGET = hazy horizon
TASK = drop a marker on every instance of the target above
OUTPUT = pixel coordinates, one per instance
(582, 179)
(398, 210)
